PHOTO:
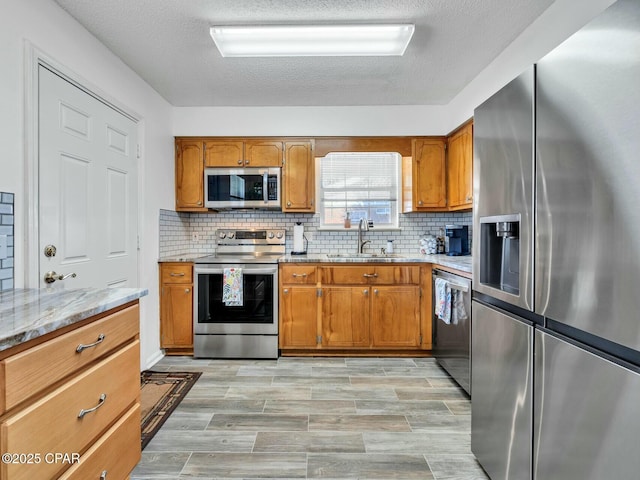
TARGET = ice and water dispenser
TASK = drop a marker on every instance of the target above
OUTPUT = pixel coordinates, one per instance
(500, 252)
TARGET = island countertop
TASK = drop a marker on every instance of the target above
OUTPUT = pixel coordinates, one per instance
(26, 314)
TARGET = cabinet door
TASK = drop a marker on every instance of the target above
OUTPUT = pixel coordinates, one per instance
(460, 168)
(224, 153)
(176, 316)
(298, 178)
(298, 317)
(429, 174)
(395, 317)
(345, 317)
(260, 153)
(189, 176)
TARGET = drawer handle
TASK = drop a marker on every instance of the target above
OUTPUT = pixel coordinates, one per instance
(82, 347)
(177, 274)
(370, 275)
(103, 475)
(83, 412)
(296, 275)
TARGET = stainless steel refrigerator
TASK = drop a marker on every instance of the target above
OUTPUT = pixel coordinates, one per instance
(556, 332)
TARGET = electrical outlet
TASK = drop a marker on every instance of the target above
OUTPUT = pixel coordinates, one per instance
(195, 237)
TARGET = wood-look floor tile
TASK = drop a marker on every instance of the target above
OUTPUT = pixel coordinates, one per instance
(380, 362)
(209, 381)
(363, 371)
(246, 465)
(419, 443)
(459, 407)
(160, 465)
(273, 370)
(208, 405)
(347, 392)
(359, 423)
(390, 382)
(259, 422)
(377, 407)
(181, 420)
(440, 423)
(270, 393)
(425, 372)
(430, 393)
(200, 441)
(313, 381)
(368, 467)
(311, 406)
(456, 467)
(317, 442)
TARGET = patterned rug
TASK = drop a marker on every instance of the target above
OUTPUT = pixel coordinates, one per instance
(160, 394)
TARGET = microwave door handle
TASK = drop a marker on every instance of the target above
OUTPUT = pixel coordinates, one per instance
(265, 184)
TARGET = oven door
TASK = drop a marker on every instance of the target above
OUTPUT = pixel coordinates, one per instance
(258, 313)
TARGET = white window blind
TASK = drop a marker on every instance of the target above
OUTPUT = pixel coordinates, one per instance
(366, 185)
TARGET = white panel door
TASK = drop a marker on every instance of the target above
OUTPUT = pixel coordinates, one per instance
(87, 188)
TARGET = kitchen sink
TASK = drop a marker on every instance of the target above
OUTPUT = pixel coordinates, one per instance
(357, 256)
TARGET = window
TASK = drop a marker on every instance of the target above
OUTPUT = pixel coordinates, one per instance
(365, 185)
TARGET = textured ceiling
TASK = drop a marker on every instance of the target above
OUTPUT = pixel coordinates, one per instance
(167, 43)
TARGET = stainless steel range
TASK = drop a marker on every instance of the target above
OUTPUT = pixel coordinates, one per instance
(236, 296)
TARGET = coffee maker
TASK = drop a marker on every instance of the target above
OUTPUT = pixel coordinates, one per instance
(457, 239)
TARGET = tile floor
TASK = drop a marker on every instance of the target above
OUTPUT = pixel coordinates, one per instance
(328, 418)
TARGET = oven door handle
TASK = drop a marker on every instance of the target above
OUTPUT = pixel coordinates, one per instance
(245, 270)
(265, 187)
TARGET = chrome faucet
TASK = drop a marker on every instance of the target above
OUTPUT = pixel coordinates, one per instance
(363, 226)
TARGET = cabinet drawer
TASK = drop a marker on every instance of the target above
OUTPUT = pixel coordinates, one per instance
(32, 371)
(371, 275)
(116, 453)
(294, 274)
(53, 423)
(177, 273)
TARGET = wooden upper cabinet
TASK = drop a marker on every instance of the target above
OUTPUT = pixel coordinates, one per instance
(424, 177)
(262, 153)
(224, 153)
(298, 178)
(460, 168)
(189, 176)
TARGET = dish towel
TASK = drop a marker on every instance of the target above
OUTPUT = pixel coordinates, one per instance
(443, 300)
(232, 287)
(458, 312)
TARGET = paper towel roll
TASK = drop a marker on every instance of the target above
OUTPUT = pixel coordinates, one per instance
(298, 239)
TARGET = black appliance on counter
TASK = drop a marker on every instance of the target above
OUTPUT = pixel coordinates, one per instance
(457, 239)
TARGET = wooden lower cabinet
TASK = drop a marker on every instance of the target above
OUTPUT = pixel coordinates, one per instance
(395, 317)
(176, 308)
(298, 313)
(363, 308)
(90, 415)
(345, 317)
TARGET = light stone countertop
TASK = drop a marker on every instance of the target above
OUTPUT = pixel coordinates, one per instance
(26, 314)
(462, 263)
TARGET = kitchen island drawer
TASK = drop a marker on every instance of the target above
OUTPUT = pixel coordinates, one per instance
(113, 453)
(71, 417)
(32, 371)
(371, 275)
(297, 274)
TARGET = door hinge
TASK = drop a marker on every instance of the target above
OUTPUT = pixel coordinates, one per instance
(138, 151)
(319, 339)
(420, 339)
(318, 292)
(420, 292)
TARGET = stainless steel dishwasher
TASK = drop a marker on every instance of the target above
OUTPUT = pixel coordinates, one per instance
(452, 339)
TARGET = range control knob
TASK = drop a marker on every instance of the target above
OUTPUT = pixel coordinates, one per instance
(222, 235)
(270, 235)
(231, 234)
(279, 234)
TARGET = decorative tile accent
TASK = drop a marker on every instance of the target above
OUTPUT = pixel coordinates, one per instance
(177, 229)
(7, 229)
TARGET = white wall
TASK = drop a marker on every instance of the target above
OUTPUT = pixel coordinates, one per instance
(54, 32)
(558, 22)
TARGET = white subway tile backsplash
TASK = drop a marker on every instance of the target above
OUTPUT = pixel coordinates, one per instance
(176, 229)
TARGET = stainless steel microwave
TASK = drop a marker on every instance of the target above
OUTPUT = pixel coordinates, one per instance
(242, 188)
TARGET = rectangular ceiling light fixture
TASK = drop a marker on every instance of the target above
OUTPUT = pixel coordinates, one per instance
(312, 40)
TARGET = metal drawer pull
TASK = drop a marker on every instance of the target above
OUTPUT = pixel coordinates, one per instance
(370, 275)
(83, 412)
(103, 475)
(296, 275)
(82, 347)
(177, 274)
